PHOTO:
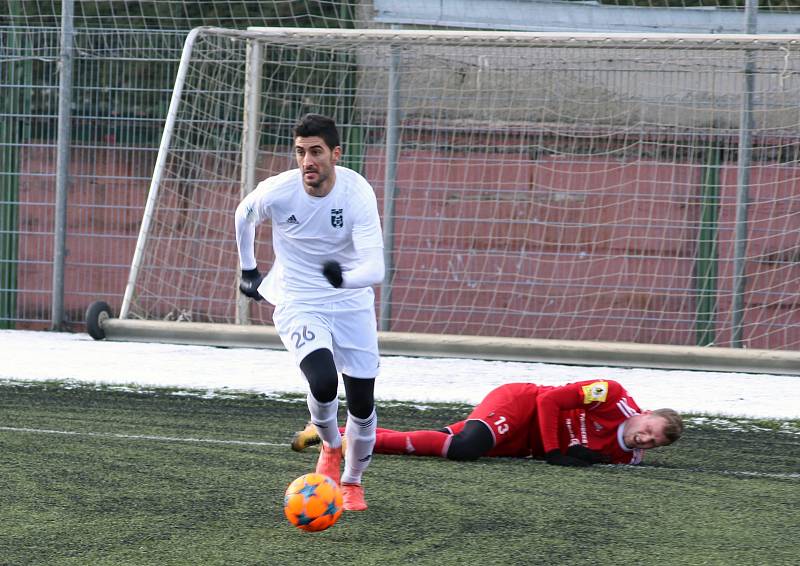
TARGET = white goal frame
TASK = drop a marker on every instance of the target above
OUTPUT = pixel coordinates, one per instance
(646, 355)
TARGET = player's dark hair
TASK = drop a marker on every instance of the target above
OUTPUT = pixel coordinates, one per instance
(318, 125)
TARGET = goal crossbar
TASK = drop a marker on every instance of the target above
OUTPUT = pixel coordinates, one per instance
(495, 38)
(536, 185)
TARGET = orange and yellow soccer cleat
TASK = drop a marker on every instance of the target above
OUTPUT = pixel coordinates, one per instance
(302, 439)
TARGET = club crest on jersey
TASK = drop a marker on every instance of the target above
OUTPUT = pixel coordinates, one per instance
(595, 392)
(337, 218)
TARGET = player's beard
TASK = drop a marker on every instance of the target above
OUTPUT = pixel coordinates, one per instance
(314, 185)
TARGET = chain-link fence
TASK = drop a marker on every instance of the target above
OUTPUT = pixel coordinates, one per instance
(123, 58)
(57, 256)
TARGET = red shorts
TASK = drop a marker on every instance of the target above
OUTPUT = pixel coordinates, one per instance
(509, 411)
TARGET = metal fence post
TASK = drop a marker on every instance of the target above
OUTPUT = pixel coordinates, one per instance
(390, 186)
(11, 106)
(62, 161)
(743, 184)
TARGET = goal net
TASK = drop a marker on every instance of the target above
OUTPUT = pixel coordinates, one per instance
(633, 188)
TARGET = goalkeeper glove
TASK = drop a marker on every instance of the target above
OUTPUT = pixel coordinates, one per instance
(332, 270)
(556, 458)
(251, 279)
(592, 456)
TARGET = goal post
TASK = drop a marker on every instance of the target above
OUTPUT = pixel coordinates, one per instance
(534, 186)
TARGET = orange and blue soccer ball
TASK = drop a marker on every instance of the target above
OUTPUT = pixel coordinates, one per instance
(313, 502)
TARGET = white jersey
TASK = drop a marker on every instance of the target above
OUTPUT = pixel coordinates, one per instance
(308, 231)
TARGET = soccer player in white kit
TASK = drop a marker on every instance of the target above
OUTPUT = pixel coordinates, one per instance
(328, 245)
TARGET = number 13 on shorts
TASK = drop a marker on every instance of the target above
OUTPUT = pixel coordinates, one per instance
(500, 425)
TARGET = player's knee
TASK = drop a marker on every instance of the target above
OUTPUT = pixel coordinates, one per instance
(474, 440)
(462, 449)
(361, 408)
(320, 371)
(360, 396)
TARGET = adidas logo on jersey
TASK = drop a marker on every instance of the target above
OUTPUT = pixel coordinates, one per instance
(292, 220)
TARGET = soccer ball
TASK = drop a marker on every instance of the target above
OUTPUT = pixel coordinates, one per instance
(313, 502)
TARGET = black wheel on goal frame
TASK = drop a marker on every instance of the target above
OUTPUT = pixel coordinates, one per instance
(97, 313)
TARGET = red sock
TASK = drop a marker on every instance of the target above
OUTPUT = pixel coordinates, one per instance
(377, 430)
(417, 442)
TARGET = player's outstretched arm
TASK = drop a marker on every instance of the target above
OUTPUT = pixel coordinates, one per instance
(369, 270)
(245, 220)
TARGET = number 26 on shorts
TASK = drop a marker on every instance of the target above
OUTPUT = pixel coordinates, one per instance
(300, 339)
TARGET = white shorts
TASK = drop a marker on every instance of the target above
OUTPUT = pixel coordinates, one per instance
(347, 328)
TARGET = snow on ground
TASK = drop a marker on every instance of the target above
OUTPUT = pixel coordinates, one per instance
(40, 356)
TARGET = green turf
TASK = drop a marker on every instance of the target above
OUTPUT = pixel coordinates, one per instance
(728, 493)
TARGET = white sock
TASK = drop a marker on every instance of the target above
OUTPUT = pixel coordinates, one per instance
(324, 417)
(360, 434)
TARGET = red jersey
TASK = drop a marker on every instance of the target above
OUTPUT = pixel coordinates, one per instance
(591, 413)
(529, 420)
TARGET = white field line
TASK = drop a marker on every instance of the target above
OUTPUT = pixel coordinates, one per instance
(779, 475)
(141, 437)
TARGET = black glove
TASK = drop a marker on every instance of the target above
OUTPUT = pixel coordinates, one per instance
(592, 456)
(251, 279)
(556, 458)
(332, 270)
